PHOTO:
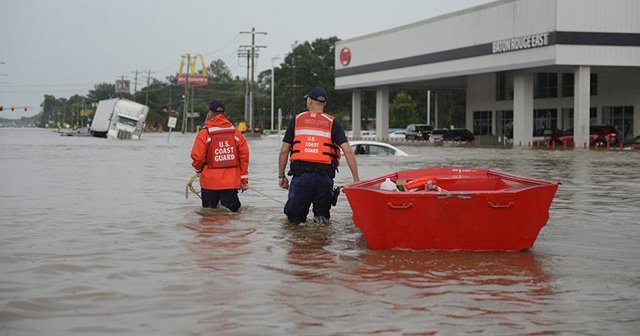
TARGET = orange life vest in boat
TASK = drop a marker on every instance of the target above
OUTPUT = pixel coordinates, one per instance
(428, 183)
(221, 148)
(312, 139)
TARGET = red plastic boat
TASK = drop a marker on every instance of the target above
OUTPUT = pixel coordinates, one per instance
(451, 209)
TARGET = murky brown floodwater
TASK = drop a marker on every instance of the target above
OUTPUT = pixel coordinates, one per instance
(97, 238)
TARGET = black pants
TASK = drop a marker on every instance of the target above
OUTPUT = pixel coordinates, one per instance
(228, 198)
(304, 190)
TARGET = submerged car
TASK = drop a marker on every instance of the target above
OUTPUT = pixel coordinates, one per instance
(418, 132)
(83, 131)
(437, 135)
(364, 147)
(397, 133)
(632, 144)
(458, 135)
(601, 135)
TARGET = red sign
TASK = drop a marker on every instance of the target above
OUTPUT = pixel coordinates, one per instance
(345, 56)
(194, 79)
(122, 86)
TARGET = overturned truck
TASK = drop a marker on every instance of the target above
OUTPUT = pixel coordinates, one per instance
(119, 119)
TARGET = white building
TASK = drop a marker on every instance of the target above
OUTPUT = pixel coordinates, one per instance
(526, 63)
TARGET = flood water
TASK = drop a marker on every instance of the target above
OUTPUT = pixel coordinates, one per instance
(97, 238)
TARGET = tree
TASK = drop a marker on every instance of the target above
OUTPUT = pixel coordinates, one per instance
(219, 72)
(102, 91)
(308, 65)
(402, 110)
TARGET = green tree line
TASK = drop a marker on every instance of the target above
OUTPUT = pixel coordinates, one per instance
(307, 65)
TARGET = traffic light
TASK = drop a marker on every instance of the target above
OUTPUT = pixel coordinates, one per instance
(12, 108)
(1, 107)
(26, 108)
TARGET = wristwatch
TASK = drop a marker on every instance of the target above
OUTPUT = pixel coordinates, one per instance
(281, 176)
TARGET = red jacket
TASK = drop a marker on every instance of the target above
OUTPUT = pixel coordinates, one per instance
(220, 178)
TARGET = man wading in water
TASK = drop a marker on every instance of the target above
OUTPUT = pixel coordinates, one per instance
(221, 155)
(314, 140)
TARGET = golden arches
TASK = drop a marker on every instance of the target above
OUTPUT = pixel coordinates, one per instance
(192, 64)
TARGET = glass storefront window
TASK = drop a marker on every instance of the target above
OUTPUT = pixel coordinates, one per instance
(545, 85)
(482, 122)
(621, 118)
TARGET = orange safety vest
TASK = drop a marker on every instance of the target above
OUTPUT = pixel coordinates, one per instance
(312, 139)
(221, 148)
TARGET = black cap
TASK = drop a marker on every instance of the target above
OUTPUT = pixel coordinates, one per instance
(318, 94)
(216, 106)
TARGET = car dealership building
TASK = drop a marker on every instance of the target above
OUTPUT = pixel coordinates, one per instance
(525, 65)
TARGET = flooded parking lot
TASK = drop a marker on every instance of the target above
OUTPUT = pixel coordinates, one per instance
(97, 238)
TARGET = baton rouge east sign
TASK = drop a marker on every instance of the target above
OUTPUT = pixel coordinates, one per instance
(521, 43)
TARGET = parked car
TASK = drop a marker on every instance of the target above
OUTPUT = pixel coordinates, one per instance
(366, 147)
(437, 134)
(458, 135)
(542, 135)
(418, 132)
(397, 133)
(632, 144)
(600, 135)
(364, 134)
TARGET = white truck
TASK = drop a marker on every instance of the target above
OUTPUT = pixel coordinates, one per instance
(119, 119)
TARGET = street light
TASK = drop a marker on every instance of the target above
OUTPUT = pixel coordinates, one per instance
(273, 76)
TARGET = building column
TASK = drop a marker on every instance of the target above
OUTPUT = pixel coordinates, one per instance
(382, 112)
(522, 109)
(581, 105)
(356, 113)
(494, 123)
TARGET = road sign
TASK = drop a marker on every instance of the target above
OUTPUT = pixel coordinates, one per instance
(172, 122)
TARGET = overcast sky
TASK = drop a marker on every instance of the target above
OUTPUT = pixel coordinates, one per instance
(65, 47)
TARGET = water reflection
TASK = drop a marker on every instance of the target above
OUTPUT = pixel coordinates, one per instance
(508, 289)
(307, 255)
(117, 238)
(219, 245)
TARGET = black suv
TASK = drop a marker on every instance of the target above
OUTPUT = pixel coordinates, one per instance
(418, 132)
(458, 134)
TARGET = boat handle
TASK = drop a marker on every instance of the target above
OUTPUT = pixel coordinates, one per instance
(400, 206)
(500, 206)
(451, 195)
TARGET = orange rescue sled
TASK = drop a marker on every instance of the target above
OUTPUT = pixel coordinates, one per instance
(451, 209)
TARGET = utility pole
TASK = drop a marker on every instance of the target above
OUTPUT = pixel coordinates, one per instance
(147, 89)
(253, 46)
(273, 76)
(135, 81)
(243, 52)
(186, 96)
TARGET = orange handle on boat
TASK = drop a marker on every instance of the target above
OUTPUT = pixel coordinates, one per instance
(419, 182)
(400, 206)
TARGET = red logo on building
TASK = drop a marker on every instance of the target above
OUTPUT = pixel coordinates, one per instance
(345, 56)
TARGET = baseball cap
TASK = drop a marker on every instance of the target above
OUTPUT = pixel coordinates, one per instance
(216, 106)
(317, 94)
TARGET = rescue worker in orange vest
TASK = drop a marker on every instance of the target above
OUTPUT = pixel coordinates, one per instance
(312, 143)
(221, 155)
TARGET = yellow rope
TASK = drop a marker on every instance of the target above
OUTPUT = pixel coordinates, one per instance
(190, 187)
(267, 196)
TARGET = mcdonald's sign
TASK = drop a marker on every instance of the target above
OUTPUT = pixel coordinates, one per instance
(192, 77)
